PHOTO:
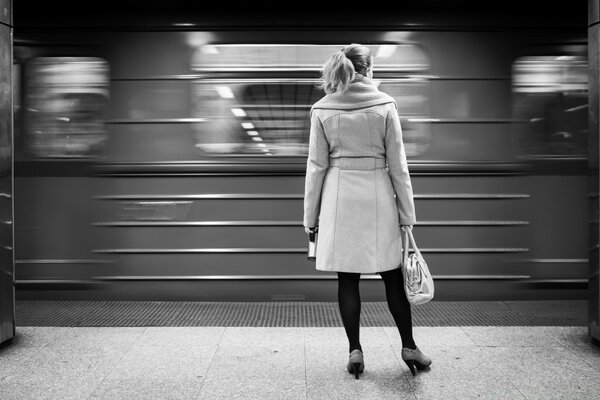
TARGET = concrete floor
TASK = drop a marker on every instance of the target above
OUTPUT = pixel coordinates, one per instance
(469, 362)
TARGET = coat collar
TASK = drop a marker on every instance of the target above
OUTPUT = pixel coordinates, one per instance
(361, 93)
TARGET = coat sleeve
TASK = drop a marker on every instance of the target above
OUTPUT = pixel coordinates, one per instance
(316, 169)
(398, 168)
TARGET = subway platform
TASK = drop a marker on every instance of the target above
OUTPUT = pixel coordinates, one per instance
(295, 350)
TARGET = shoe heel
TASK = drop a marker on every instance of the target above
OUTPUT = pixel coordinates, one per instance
(356, 370)
(420, 366)
(411, 366)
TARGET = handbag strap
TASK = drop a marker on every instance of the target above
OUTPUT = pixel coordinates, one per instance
(413, 243)
(408, 240)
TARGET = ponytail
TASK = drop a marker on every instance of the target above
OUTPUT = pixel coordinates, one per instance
(338, 72)
(341, 67)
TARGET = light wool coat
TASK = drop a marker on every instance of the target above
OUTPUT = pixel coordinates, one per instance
(358, 188)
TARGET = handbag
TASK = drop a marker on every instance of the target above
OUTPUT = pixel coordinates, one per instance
(418, 282)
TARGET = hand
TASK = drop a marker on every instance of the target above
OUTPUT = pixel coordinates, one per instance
(404, 227)
(310, 230)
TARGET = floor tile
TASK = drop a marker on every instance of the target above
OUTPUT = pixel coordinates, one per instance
(589, 354)
(246, 337)
(166, 372)
(249, 362)
(334, 337)
(426, 336)
(144, 388)
(570, 335)
(95, 337)
(266, 387)
(180, 336)
(369, 386)
(461, 373)
(512, 335)
(12, 357)
(369, 337)
(34, 336)
(545, 372)
(46, 387)
(56, 373)
(162, 362)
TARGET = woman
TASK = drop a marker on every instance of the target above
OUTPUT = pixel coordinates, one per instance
(358, 194)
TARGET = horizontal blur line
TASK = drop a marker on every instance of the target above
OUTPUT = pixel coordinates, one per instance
(258, 80)
(224, 250)
(229, 196)
(159, 78)
(471, 196)
(558, 280)
(203, 78)
(232, 250)
(155, 121)
(468, 78)
(233, 81)
(465, 120)
(7, 195)
(291, 223)
(228, 68)
(297, 277)
(198, 120)
(274, 106)
(199, 223)
(553, 260)
(66, 261)
(315, 68)
(275, 196)
(100, 279)
(472, 223)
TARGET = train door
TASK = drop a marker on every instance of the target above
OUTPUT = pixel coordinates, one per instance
(7, 291)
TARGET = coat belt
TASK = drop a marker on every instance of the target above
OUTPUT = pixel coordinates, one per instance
(358, 163)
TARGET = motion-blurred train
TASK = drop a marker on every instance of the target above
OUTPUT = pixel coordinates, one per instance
(164, 158)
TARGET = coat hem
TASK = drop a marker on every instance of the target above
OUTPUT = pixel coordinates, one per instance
(358, 270)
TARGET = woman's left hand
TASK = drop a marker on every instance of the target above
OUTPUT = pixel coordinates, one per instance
(310, 230)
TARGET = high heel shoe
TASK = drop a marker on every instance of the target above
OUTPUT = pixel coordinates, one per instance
(415, 359)
(356, 363)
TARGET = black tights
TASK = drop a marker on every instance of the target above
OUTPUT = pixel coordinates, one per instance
(349, 303)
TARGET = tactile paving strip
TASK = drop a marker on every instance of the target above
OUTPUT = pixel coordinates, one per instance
(294, 314)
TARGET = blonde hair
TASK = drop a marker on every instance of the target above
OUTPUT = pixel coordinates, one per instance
(341, 67)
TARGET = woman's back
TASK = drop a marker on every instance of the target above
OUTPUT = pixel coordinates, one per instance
(356, 133)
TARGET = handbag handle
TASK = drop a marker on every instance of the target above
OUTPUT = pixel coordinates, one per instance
(408, 239)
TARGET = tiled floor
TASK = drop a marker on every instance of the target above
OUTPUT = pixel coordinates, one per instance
(469, 362)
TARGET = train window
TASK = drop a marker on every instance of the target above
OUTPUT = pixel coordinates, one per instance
(67, 104)
(550, 99)
(246, 57)
(255, 99)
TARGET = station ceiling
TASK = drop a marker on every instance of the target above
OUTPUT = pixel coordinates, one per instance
(305, 12)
